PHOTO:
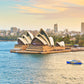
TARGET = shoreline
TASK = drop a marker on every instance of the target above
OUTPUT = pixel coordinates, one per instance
(47, 52)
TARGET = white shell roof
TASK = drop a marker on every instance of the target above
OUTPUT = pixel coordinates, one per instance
(27, 38)
(61, 43)
(42, 40)
(23, 40)
(44, 34)
(51, 41)
(30, 35)
(43, 37)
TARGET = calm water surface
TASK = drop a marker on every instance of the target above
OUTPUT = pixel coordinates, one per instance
(39, 69)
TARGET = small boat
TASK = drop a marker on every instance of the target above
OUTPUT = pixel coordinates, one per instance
(74, 62)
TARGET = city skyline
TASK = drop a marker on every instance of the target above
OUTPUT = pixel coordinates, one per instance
(36, 14)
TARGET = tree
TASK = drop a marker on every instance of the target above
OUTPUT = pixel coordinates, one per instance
(81, 43)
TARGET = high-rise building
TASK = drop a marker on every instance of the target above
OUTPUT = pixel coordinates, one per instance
(48, 30)
(82, 27)
(14, 29)
(55, 28)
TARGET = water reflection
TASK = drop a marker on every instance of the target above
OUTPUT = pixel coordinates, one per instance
(39, 69)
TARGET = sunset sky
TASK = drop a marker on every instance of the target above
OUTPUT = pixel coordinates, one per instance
(36, 14)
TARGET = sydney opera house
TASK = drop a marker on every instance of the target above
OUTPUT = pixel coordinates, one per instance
(41, 43)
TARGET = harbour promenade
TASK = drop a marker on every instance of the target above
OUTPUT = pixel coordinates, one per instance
(41, 44)
(72, 49)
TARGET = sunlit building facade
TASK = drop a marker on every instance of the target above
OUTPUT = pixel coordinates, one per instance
(55, 28)
(39, 40)
(41, 43)
(82, 27)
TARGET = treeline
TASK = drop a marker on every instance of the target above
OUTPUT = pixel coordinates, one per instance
(8, 38)
(79, 40)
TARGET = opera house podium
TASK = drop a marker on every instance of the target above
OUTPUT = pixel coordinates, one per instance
(40, 44)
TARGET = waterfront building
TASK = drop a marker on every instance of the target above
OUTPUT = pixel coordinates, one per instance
(25, 39)
(73, 39)
(62, 44)
(41, 43)
(66, 31)
(39, 40)
(48, 30)
(2, 32)
(18, 30)
(7, 33)
(82, 27)
(12, 34)
(55, 28)
(42, 39)
(14, 29)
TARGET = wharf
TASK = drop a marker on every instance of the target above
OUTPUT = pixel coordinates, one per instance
(36, 52)
(48, 52)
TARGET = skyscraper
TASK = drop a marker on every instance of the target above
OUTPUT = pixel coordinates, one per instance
(13, 31)
(82, 27)
(55, 28)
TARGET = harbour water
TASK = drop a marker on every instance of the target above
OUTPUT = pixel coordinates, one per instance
(39, 69)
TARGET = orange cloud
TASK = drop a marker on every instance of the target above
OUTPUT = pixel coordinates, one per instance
(70, 13)
(51, 7)
(26, 9)
(54, 8)
(78, 2)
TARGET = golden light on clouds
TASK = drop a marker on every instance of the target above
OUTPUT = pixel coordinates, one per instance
(78, 2)
(27, 9)
(42, 12)
(53, 7)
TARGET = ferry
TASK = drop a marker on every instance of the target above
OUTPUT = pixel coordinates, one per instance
(78, 62)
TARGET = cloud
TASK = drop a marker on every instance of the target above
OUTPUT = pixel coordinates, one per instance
(53, 8)
(26, 9)
(78, 2)
(70, 13)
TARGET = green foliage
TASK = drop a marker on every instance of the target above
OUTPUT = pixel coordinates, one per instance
(57, 39)
(7, 38)
(67, 39)
(77, 38)
(81, 43)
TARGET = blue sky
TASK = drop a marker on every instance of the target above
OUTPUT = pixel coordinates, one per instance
(36, 14)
